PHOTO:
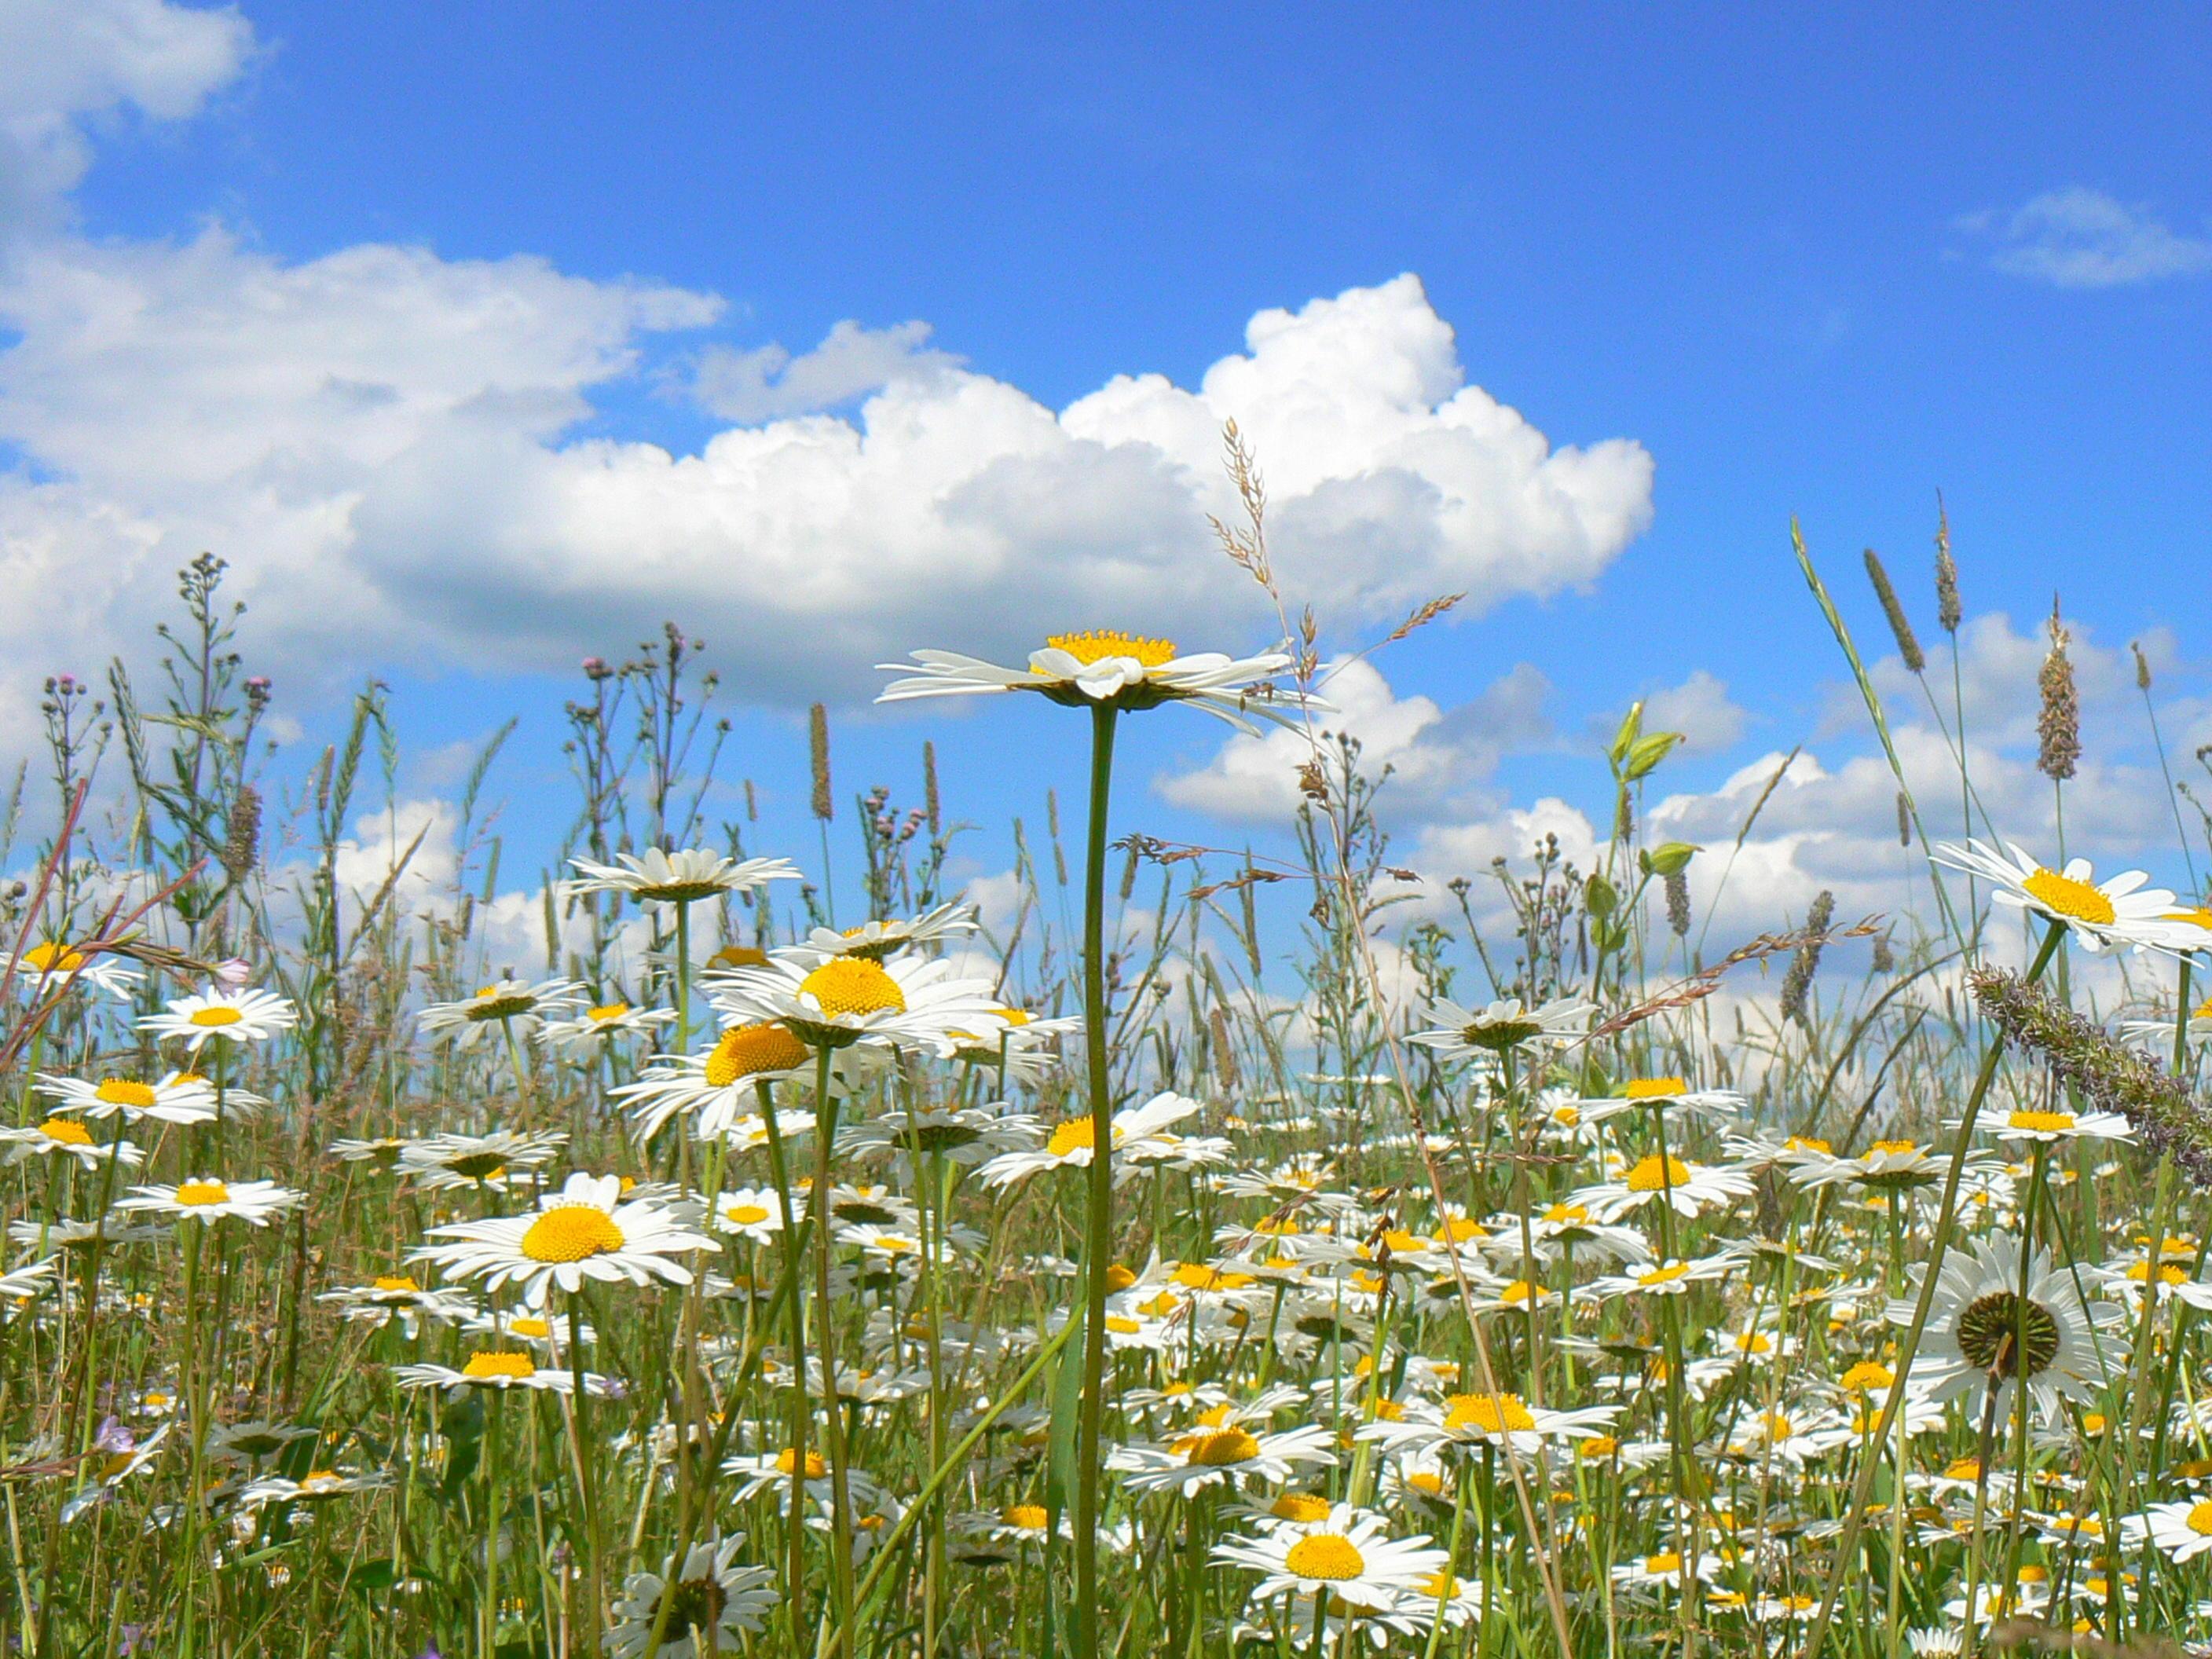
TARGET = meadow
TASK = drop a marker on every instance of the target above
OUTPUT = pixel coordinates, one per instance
(776, 1265)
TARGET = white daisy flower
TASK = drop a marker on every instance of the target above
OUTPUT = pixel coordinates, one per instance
(203, 1198)
(1069, 1146)
(315, 1486)
(65, 1137)
(397, 1296)
(381, 1151)
(1122, 670)
(888, 936)
(2182, 1531)
(2026, 1124)
(906, 1001)
(505, 1004)
(591, 1030)
(1973, 1341)
(234, 1016)
(712, 1603)
(659, 878)
(459, 1160)
(1662, 1093)
(1888, 1166)
(54, 965)
(2120, 911)
(1690, 1188)
(584, 1231)
(752, 1214)
(1672, 1278)
(1502, 1026)
(1348, 1558)
(719, 1086)
(494, 1369)
(174, 1099)
(1224, 1452)
(1496, 1419)
(961, 1134)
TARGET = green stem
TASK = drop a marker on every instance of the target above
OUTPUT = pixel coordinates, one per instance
(1098, 1218)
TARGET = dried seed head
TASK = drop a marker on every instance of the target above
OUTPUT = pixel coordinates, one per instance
(1947, 609)
(241, 841)
(929, 804)
(1797, 983)
(1885, 960)
(1900, 625)
(1903, 819)
(1677, 886)
(2059, 724)
(817, 744)
(2142, 667)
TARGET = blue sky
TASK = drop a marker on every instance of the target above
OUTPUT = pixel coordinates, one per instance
(1818, 261)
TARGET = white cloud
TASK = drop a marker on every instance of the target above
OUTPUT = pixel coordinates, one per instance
(1701, 710)
(769, 383)
(2082, 238)
(71, 61)
(1433, 754)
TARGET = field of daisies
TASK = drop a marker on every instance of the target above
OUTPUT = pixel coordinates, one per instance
(781, 1263)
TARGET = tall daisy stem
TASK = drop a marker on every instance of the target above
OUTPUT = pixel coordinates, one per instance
(1098, 1218)
(833, 1427)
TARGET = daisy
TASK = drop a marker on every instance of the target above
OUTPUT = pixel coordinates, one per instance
(383, 1152)
(457, 1160)
(1495, 1419)
(313, 1487)
(1973, 1340)
(2161, 1279)
(1347, 1558)
(396, 1295)
(1120, 671)
(719, 1086)
(752, 1214)
(663, 878)
(1672, 1278)
(711, 1602)
(2182, 1531)
(1570, 1225)
(908, 1002)
(1070, 1144)
(1690, 1188)
(67, 1138)
(584, 1231)
(506, 1004)
(53, 966)
(1660, 1093)
(597, 1026)
(1223, 1453)
(1502, 1027)
(1888, 1166)
(235, 1016)
(964, 1134)
(173, 1100)
(2121, 911)
(2046, 1127)
(889, 936)
(492, 1369)
(252, 1442)
(203, 1198)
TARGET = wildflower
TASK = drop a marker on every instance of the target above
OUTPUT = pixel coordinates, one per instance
(961, 1134)
(1661, 1093)
(171, 1100)
(459, 1160)
(1496, 1419)
(590, 1032)
(1502, 1027)
(906, 1001)
(711, 1603)
(2182, 1531)
(2045, 1128)
(315, 1486)
(1975, 1324)
(583, 1231)
(49, 967)
(505, 1004)
(236, 1017)
(719, 1086)
(1222, 1452)
(888, 936)
(661, 878)
(1134, 1128)
(1120, 671)
(254, 1441)
(205, 1199)
(754, 1214)
(490, 1369)
(395, 1295)
(65, 1137)
(1672, 1278)
(1347, 1558)
(1689, 1188)
(2120, 911)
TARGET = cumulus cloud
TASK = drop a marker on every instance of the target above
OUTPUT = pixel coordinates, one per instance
(2082, 238)
(1433, 754)
(769, 383)
(1701, 710)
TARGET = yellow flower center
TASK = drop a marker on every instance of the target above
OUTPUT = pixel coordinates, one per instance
(2200, 1520)
(1868, 1375)
(1438, 1587)
(2196, 916)
(787, 1463)
(745, 1215)
(1458, 1229)
(1668, 1274)
(1069, 1135)
(2075, 900)
(1897, 1148)
(2042, 1122)
(1030, 1517)
(499, 1364)
(1425, 1480)
(1807, 1144)
(1327, 1556)
(1398, 1242)
(1599, 1445)
(606, 1011)
(1299, 1506)
(1119, 1278)
(1655, 1174)
(573, 1232)
(1963, 1469)
(53, 957)
(738, 955)
(220, 1014)
(1517, 1294)
(67, 1133)
(1655, 1088)
(853, 985)
(1197, 1276)
(745, 1051)
(1096, 643)
(529, 1326)
(397, 1283)
(1665, 1561)
(1219, 1448)
(1491, 1414)
(203, 1192)
(1122, 1325)
(125, 1092)
(1567, 1215)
